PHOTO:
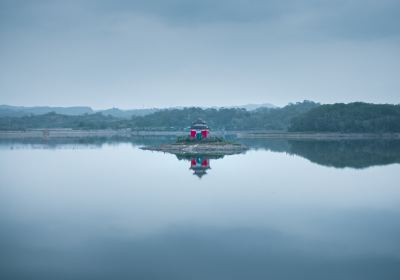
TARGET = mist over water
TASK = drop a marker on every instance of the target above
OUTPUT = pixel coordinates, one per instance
(108, 210)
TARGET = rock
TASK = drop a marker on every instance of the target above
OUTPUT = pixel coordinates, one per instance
(199, 149)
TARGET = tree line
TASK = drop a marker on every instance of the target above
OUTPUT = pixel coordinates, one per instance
(354, 117)
(306, 116)
(168, 119)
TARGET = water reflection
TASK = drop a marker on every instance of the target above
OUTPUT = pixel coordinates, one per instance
(115, 211)
(76, 143)
(339, 153)
(199, 164)
(356, 154)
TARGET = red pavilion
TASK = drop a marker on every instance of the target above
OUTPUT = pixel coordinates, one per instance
(199, 130)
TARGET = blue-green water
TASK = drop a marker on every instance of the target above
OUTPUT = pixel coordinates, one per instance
(283, 210)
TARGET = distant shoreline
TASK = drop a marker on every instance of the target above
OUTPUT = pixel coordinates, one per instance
(125, 133)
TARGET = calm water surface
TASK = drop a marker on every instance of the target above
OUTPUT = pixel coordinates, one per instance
(283, 210)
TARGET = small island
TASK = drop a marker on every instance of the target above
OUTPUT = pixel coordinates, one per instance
(199, 142)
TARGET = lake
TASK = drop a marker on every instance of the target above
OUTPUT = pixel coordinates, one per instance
(102, 209)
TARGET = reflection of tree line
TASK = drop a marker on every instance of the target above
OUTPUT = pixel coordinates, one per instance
(339, 154)
(89, 142)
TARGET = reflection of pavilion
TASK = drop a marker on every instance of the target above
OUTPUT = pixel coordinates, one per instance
(199, 165)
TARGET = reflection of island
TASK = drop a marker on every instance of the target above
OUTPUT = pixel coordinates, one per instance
(199, 164)
(198, 147)
(335, 153)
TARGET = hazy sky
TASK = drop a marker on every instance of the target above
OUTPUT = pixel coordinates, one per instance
(134, 54)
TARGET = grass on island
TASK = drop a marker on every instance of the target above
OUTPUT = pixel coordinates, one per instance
(209, 140)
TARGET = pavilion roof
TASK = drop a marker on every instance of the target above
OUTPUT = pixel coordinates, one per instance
(199, 124)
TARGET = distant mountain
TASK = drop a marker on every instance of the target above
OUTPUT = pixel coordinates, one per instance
(20, 111)
(126, 114)
(16, 111)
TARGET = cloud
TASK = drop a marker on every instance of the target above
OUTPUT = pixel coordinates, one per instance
(166, 53)
(359, 18)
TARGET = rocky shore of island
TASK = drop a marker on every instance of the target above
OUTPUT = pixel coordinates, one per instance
(199, 148)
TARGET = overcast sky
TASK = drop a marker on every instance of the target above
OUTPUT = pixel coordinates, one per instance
(159, 53)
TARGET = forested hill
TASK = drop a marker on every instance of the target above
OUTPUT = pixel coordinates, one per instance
(304, 116)
(169, 119)
(228, 118)
(355, 117)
